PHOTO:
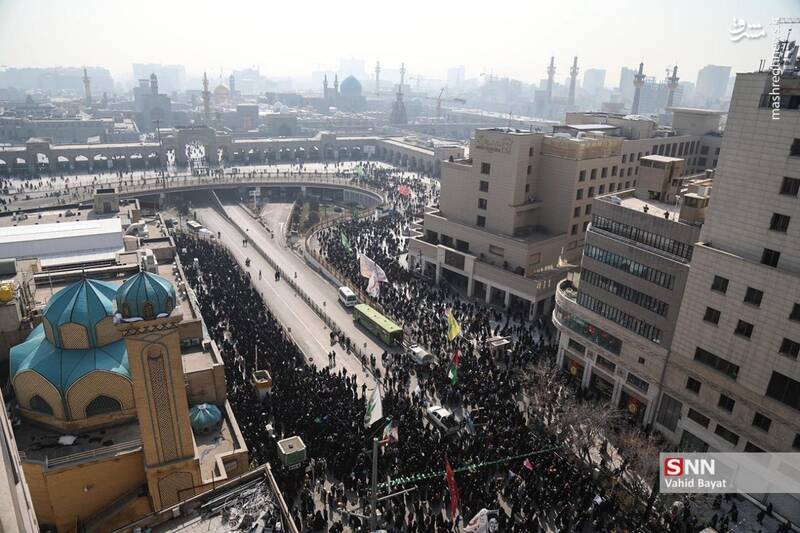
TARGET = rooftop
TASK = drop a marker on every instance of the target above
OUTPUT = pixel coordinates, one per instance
(696, 111)
(654, 208)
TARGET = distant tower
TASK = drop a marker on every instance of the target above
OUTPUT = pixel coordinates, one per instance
(398, 115)
(232, 84)
(87, 87)
(672, 84)
(573, 73)
(153, 84)
(336, 83)
(551, 73)
(638, 81)
(206, 99)
(378, 77)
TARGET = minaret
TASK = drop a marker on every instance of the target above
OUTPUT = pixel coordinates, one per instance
(573, 74)
(325, 86)
(672, 83)
(153, 84)
(399, 116)
(87, 87)
(551, 73)
(206, 99)
(638, 82)
(378, 77)
(336, 84)
(232, 84)
(149, 323)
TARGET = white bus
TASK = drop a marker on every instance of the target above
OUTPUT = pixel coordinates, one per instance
(347, 297)
(194, 226)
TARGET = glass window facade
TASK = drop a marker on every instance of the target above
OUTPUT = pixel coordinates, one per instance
(631, 267)
(640, 327)
(648, 238)
(598, 336)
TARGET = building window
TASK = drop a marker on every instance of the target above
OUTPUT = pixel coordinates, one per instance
(40, 405)
(530, 151)
(711, 316)
(631, 267)
(579, 194)
(726, 403)
(624, 158)
(582, 175)
(762, 422)
(604, 172)
(611, 187)
(486, 168)
(716, 363)
(795, 314)
(727, 434)
(790, 186)
(630, 170)
(462, 246)
(698, 418)
(101, 405)
(779, 222)
(720, 284)
(614, 170)
(576, 212)
(482, 202)
(670, 412)
(692, 443)
(481, 221)
(640, 327)
(601, 189)
(483, 186)
(637, 382)
(447, 240)
(796, 442)
(627, 184)
(753, 296)
(496, 250)
(587, 210)
(744, 329)
(625, 292)
(794, 151)
(593, 175)
(605, 363)
(770, 257)
(784, 389)
(789, 348)
(752, 448)
(529, 170)
(574, 229)
(527, 187)
(590, 194)
(575, 345)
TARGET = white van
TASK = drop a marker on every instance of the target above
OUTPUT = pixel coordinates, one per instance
(347, 297)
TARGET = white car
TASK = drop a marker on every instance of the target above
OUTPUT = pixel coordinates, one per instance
(443, 419)
(419, 355)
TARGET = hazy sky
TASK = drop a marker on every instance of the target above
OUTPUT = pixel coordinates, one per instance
(507, 37)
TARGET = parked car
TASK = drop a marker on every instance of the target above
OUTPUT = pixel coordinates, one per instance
(443, 419)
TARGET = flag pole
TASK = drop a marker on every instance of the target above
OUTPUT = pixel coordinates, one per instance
(373, 516)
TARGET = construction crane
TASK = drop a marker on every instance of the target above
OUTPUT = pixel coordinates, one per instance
(439, 102)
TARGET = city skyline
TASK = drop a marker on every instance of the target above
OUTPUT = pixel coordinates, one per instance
(476, 42)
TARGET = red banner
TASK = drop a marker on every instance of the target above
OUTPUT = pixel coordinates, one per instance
(451, 484)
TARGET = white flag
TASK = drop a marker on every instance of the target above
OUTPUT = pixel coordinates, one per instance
(374, 409)
(373, 287)
(366, 265)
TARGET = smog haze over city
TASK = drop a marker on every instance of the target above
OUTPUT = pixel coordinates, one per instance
(400, 267)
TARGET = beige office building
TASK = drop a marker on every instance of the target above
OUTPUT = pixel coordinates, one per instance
(513, 216)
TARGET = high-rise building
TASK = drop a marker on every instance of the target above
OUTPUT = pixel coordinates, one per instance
(171, 77)
(594, 80)
(735, 364)
(455, 76)
(626, 82)
(712, 81)
(617, 318)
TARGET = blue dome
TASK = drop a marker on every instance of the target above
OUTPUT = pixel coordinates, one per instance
(205, 418)
(62, 367)
(146, 296)
(350, 87)
(84, 303)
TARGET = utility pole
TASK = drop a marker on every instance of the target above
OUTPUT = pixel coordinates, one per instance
(373, 515)
(160, 152)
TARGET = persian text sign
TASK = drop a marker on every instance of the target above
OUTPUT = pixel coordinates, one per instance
(754, 473)
(484, 142)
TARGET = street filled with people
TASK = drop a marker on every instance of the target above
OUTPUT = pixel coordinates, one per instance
(507, 453)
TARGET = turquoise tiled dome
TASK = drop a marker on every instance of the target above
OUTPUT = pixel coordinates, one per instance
(350, 87)
(85, 303)
(205, 418)
(146, 296)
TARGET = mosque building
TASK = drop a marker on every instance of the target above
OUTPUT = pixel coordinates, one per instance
(346, 96)
(119, 396)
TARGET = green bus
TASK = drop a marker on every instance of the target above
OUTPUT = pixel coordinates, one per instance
(390, 333)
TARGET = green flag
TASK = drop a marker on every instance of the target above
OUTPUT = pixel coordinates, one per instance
(453, 374)
(345, 242)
